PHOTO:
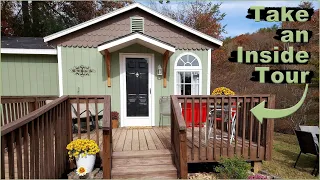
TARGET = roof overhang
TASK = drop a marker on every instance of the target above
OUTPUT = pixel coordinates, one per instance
(28, 51)
(125, 9)
(138, 38)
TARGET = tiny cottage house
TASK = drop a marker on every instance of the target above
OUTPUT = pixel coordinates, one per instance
(134, 54)
(127, 59)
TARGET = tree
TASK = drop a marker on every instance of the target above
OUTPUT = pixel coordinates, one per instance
(7, 11)
(26, 18)
(40, 18)
(203, 16)
(237, 76)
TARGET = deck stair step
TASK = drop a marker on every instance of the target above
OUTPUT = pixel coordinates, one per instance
(143, 164)
(141, 154)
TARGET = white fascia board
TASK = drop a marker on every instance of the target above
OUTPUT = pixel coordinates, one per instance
(28, 51)
(135, 37)
(127, 8)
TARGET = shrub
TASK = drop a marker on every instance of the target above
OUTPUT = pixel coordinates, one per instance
(114, 115)
(233, 168)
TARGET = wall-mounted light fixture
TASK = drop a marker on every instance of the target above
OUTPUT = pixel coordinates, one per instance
(159, 70)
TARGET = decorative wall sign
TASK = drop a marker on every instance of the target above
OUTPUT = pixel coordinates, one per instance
(82, 70)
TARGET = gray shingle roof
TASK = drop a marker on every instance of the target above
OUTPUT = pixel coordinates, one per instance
(136, 33)
(24, 43)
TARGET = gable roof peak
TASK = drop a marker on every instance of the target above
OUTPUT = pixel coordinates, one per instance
(125, 9)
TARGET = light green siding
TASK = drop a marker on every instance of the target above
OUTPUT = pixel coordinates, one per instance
(96, 84)
(24, 75)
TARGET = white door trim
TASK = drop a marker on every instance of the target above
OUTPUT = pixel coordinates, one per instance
(123, 97)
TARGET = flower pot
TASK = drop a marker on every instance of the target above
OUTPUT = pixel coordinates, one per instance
(86, 161)
(115, 123)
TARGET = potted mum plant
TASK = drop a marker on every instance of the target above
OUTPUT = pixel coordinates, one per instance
(84, 152)
(223, 91)
(115, 119)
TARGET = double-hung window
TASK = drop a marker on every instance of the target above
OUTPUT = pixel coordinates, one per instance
(188, 75)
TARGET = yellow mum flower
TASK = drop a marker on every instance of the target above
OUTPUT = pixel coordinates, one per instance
(222, 91)
(82, 147)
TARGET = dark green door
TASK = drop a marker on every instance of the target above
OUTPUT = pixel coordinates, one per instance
(137, 87)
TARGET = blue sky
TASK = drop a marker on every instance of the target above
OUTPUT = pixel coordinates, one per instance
(236, 11)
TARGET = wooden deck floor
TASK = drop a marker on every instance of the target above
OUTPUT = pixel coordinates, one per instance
(134, 139)
(158, 138)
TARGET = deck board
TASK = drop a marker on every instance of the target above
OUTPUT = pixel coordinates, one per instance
(142, 140)
(128, 141)
(135, 140)
(150, 142)
(121, 140)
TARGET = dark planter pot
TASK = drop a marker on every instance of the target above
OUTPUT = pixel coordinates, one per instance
(115, 123)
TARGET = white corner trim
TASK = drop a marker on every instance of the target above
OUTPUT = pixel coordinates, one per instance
(127, 8)
(135, 37)
(209, 72)
(60, 71)
(28, 51)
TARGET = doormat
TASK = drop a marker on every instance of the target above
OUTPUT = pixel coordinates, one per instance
(139, 127)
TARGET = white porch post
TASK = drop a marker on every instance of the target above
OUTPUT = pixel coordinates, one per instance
(60, 71)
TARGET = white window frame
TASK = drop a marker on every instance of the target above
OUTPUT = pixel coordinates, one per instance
(187, 69)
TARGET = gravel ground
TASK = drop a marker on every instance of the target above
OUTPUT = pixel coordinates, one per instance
(208, 176)
(202, 176)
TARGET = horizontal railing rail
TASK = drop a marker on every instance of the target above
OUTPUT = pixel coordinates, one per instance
(15, 107)
(34, 146)
(222, 126)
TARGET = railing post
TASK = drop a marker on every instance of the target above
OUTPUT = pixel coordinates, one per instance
(107, 139)
(36, 105)
(106, 155)
(172, 122)
(270, 129)
(69, 128)
(183, 155)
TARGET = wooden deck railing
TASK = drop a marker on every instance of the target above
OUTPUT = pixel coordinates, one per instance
(92, 109)
(252, 140)
(15, 107)
(179, 139)
(34, 146)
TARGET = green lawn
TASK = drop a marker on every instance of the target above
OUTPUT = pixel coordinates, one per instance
(284, 154)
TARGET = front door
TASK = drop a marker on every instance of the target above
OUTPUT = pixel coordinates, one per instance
(137, 87)
(137, 92)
